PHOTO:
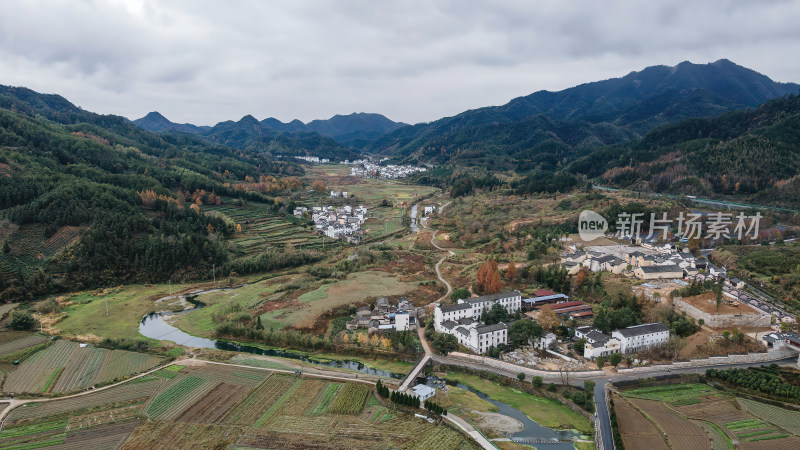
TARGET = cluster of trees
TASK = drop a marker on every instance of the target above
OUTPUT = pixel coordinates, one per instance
(766, 380)
(496, 314)
(465, 184)
(614, 359)
(441, 342)
(382, 390)
(404, 399)
(487, 280)
(545, 182)
(272, 260)
(435, 408)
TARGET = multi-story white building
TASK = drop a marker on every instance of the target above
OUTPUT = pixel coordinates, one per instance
(641, 337)
(511, 301)
(475, 335)
(462, 320)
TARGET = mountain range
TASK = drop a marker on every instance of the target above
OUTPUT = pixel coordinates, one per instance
(543, 128)
(354, 130)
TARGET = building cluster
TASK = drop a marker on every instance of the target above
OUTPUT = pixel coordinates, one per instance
(372, 170)
(339, 194)
(627, 340)
(314, 159)
(653, 263)
(341, 222)
(385, 317)
(463, 320)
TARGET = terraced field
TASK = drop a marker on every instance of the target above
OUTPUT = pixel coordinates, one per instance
(262, 228)
(66, 366)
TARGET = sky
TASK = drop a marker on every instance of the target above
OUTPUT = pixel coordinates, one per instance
(203, 62)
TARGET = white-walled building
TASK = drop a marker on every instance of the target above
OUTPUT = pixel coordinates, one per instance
(641, 337)
(423, 392)
(462, 320)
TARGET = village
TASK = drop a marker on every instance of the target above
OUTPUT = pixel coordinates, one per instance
(342, 222)
(390, 171)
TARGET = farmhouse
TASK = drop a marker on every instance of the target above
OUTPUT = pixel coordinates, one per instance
(424, 392)
(641, 337)
(386, 317)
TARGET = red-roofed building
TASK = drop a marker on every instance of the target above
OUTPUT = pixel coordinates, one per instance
(543, 292)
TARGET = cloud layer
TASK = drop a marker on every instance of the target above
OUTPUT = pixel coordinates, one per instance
(203, 61)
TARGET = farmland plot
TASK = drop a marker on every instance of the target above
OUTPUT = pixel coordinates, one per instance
(350, 399)
(260, 400)
(680, 432)
(75, 368)
(180, 435)
(788, 420)
(179, 394)
(214, 405)
(636, 430)
(15, 342)
(99, 400)
(32, 375)
(107, 435)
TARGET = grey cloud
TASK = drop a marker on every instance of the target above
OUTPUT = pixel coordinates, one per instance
(206, 61)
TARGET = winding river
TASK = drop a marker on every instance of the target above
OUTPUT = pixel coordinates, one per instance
(156, 327)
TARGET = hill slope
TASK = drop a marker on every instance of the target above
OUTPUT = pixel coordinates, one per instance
(91, 200)
(156, 122)
(630, 106)
(754, 154)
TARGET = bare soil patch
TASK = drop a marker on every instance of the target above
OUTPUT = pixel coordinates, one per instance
(707, 303)
(682, 433)
(636, 430)
(214, 405)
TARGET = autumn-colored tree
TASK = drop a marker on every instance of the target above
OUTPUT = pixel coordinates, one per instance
(511, 271)
(210, 229)
(238, 228)
(195, 208)
(318, 186)
(488, 278)
(547, 318)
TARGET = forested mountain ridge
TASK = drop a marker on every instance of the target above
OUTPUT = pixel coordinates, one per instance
(354, 130)
(90, 200)
(156, 122)
(753, 154)
(623, 108)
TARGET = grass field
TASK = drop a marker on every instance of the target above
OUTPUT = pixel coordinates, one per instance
(541, 410)
(680, 394)
(356, 287)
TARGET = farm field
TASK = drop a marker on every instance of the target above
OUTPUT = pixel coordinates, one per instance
(210, 405)
(636, 430)
(541, 410)
(263, 228)
(7, 308)
(14, 341)
(65, 366)
(690, 414)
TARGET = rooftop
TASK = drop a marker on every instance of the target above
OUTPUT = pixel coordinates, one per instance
(491, 328)
(423, 390)
(638, 330)
(661, 269)
(456, 307)
(493, 297)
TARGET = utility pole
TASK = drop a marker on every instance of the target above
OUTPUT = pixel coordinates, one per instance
(214, 271)
(41, 327)
(170, 286)
(106, 305)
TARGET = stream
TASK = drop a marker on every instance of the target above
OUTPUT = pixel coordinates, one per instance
(154, 326)
(532, 433)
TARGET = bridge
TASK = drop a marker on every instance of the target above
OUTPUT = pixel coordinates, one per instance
(414, 373)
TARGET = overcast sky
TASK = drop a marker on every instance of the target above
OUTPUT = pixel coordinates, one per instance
(413, 61)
